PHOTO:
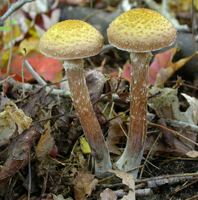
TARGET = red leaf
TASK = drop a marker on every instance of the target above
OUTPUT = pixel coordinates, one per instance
(126, 74)
(46, 67)
(162, 60)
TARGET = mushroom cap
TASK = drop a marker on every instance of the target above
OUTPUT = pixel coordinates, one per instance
(71, 39)
(141, 30)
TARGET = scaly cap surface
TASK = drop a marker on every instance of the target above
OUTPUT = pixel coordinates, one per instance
(141, 30)
(71, 39)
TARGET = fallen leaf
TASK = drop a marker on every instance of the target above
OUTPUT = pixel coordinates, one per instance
(127, 179)
(192, 154)
(194, 106)
(30, 44)
(126, 74)
(167, 137)
(123, 89)
(163, 68)
(84, 146)
(34, 101)
(11, 119)
(60, 197)
(130, 196)
(181, 146)
(46, 67)
(18, 155)
(95, 81)
(161, 60)
(166, 104)
(115, 132)
(48, 22)
(18, 34)
(45, 144)
(84, 184)
(39, 6)
(108, 194)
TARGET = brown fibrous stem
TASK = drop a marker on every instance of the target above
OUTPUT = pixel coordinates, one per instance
(134, 149)
(83, 106)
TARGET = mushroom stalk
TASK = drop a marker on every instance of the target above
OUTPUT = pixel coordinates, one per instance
(87, 117)
(133, 153)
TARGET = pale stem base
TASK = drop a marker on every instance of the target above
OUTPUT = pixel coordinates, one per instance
(133, 153)
(83, 106)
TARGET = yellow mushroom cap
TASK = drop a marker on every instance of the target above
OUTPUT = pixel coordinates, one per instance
(141, 30)
(71, 39)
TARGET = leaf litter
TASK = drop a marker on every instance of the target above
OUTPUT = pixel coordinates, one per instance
(41, 132)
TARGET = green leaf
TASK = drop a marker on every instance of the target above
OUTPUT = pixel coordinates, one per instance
(13, 21)
(4, 28)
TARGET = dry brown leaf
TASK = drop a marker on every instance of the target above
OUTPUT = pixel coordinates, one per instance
(192, 154)
(39, 6)
(166, 104)
(115, 132)
(84, 184)
(30, 44)
(45, 144)
(127, 179)
(180, 148)
(11, 119)
(60, 197)
(130, 196)
(108, 194)
(95, 81)
(18, 155)
(194, 106)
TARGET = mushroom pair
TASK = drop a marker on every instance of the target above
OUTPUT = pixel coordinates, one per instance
(138, 31)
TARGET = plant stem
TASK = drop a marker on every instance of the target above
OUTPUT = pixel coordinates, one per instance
(88, 120)
(132, 155)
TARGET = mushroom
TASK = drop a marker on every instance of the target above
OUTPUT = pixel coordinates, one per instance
(139, 31)
(71, 41)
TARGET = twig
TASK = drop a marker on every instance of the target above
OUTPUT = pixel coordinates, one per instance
(183, 187)
(186, 85)
(12, 9)
(50, 118)
(140, 193)
(193, 198)
(7, 79)
(29, 176)
(22, 71)
(29, 87)
(11, 43)
(34, 73)
(170, 179)
(148, 155)
(173, 132)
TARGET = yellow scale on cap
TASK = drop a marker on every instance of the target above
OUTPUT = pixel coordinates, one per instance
(141, 30)
(71, 39)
